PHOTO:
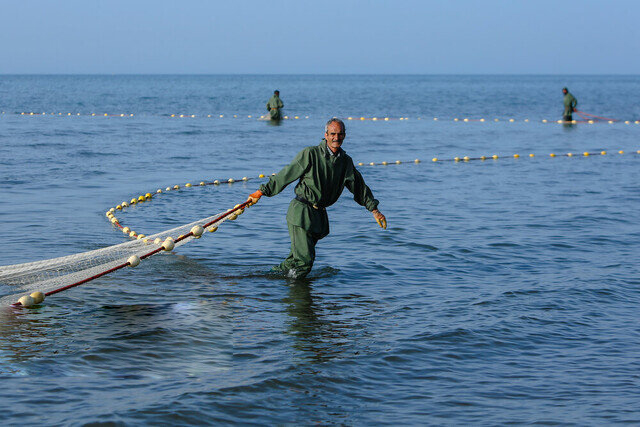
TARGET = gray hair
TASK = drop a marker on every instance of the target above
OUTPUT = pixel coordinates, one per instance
(335, 120)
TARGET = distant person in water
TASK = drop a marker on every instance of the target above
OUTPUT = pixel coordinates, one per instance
(274, 105)
(570, 104)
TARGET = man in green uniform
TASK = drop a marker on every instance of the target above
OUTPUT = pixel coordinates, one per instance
(274, 105)
(322, 171)
(570, 104)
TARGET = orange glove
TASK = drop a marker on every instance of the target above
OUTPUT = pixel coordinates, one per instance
(380, 219)
(254, 197)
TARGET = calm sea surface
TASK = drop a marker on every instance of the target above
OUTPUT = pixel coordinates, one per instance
(504, 292)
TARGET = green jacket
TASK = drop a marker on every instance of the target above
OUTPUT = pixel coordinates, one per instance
(274, 105)
(322, 177)
(570, 103)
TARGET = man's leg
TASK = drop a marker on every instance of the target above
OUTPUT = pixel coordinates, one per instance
(302, 254)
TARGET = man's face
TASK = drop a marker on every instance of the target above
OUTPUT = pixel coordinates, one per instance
(334, 135)
(564, 91)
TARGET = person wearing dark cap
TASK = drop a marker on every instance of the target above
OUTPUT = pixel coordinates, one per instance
(570, 104)
(274, 105)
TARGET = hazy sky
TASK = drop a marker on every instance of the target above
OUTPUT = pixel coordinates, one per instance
(262, 37)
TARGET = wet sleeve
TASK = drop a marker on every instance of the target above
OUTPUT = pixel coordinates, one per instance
(575, 102)
(287, 175)
(361, 192)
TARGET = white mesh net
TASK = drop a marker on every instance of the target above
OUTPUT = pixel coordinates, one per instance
(51, 274)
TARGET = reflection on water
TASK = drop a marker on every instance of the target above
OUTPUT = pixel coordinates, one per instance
(318, 335)
(274, 122)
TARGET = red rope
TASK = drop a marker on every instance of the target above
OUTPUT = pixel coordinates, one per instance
(88, 279)
(594, 116)
(153, 252)
(585, 119)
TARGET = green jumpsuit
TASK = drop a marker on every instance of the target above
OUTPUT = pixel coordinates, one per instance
(322, 176)
(274, 105)
(570, 103)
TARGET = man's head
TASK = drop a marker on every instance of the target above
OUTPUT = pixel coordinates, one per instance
(565, 90)
(276, 92)
(334, 133)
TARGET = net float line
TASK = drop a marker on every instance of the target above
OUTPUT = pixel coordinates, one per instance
(235, 116)
(492, 157)
(165, 247)
(137, 200)
(588, 118)
(111, 213)
(164, 242)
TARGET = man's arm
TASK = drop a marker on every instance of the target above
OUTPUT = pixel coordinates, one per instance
(361, 192)
(363, 196)
(286, 176)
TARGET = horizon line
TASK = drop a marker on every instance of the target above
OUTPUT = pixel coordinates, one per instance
(316, 74)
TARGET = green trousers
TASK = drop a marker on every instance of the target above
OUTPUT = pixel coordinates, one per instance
(303, 252)
(274, 114)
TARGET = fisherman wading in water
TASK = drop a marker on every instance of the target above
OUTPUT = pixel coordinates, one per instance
(322, 171)
(274, 105)
(570, 103)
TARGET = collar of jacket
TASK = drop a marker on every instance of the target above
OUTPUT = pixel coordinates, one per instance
(327, 151)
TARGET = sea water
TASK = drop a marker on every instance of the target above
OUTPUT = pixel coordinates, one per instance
(504, 291)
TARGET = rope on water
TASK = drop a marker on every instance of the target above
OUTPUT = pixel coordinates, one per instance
(587, 116)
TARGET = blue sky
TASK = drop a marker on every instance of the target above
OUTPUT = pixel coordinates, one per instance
(290, 37)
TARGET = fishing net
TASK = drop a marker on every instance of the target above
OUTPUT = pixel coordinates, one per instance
(52, 275)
